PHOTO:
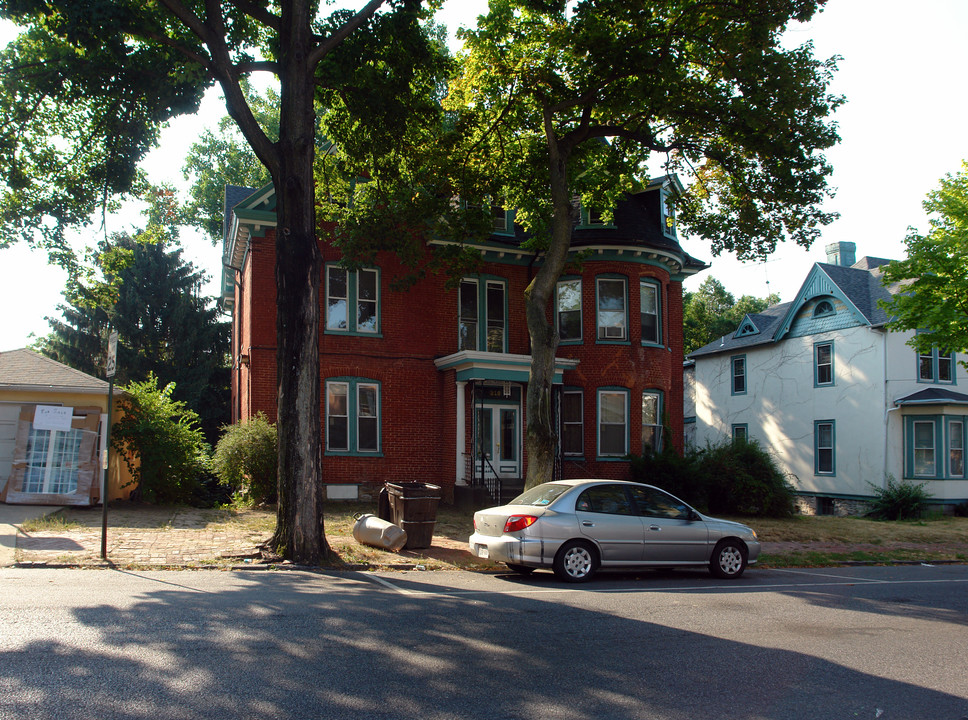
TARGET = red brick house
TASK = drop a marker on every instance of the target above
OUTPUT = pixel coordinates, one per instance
(419, 385)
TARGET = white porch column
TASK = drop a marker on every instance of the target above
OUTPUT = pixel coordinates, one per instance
(461, 434)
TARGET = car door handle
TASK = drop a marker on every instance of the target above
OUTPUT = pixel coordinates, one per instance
(585, 523)
(654, 527)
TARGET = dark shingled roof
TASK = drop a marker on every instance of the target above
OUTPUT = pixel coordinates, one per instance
(933, 396)
(25, 368)
(860, 284)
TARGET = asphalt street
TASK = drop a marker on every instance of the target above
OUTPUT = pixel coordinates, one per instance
(870, 642)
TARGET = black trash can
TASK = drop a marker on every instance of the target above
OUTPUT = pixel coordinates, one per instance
(414, 508)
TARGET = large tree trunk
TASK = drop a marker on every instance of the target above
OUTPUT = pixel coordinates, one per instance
(542, 435)
(299, 531)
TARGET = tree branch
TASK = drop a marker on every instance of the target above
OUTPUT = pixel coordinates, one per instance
(332, 42)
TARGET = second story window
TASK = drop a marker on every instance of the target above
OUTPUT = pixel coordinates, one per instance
(651, 331)
(823, 364)
(738, 365)
(482, 323)
(568, 299)
(612, 310)
(936, 367)
(352, 300)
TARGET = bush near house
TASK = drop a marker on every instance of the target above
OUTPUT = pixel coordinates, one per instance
(245, 459)
(732, 478)
(898, 500)
(161, 442)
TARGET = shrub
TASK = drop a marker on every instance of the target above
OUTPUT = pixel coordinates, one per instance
(741, 477)
(245, 459)
(733, 478)
(161, 442)
(898, 501)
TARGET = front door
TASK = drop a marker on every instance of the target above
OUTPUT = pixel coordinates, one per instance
(499, 438)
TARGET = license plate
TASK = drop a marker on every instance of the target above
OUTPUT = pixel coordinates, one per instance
(482, 551)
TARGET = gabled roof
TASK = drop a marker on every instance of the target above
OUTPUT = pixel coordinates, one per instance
(858, 287)
(933, 396)
(26, 370)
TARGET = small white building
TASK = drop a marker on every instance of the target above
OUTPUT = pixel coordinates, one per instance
(841, 401)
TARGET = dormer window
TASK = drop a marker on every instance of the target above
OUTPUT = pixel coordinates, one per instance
(592, 217)
(668, 216)
(500, 217)
(824, 307)
(746, 328)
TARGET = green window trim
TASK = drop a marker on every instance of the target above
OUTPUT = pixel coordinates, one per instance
(572, 423)
(936, 367)
(568, 310)
(934, 447)
(652, 420)
(737, 375)
(354, 413)
(739, 431)
(612, 310)
(352, 301)
(612, 423)
(824, 374)
(650, 312)
(482, 307)
(825, 448)
(591, 219)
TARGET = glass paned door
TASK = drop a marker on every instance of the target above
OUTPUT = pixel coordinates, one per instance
(498, 436)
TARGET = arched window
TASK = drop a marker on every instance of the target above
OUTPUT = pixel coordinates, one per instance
(824, 307)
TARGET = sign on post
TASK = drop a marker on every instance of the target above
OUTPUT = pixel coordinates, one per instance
(112, 364)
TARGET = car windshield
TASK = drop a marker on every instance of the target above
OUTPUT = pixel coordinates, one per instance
(541, 495)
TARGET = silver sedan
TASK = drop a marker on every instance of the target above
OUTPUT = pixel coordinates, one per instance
(576, 527)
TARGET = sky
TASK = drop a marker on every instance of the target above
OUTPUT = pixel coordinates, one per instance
(902, 129)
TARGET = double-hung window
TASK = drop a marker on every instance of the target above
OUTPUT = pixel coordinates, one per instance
(651, 421)
(352, 416)
(740, 432)
(483, 313)
(613, 426)
(936, 366)
(651, 327)
(737, 366)
(925, 464)
(352, 300)
(612, 309)
(823, 364)
(824, 448)
(956, 448)
(568, 300)
(572, 425)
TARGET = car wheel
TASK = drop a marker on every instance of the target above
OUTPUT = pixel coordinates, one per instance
(729, 560)
(576, 562)
(520, 569)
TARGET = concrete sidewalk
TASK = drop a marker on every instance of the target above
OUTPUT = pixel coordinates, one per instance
(11, 518)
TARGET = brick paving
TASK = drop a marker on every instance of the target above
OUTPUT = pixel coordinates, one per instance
(149, 537)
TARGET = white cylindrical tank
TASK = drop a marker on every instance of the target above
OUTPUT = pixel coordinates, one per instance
(371, 530)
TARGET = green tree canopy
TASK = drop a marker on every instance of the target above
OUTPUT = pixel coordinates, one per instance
(935, 299)
(165, 327)
(85, 90)
(711, 312)
(575, 99)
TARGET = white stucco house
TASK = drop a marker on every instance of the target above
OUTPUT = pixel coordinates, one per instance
(841, 401)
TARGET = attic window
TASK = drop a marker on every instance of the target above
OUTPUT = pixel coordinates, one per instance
(500, 216)
(668, 216)
(824, 307)
(746, 328)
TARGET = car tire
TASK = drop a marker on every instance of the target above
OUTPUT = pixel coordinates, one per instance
(729, 559)
(576, 561)
(520, 569)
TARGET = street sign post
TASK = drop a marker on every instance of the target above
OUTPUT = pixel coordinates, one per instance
(110, 368)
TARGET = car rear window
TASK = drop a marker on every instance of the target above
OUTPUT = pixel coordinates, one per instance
(540, 495)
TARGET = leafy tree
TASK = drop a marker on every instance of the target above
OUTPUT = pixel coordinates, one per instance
(573, 99)
(712, 311)
(245, 459)
(84, 92)
(935, 273)
(160, 441)
(165, 327)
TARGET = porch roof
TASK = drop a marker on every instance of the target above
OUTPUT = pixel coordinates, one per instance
(476, 365)
(933, 396)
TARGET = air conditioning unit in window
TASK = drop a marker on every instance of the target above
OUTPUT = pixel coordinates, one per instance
(614, 332)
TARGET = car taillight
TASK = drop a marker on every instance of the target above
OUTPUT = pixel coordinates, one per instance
(519, 522)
